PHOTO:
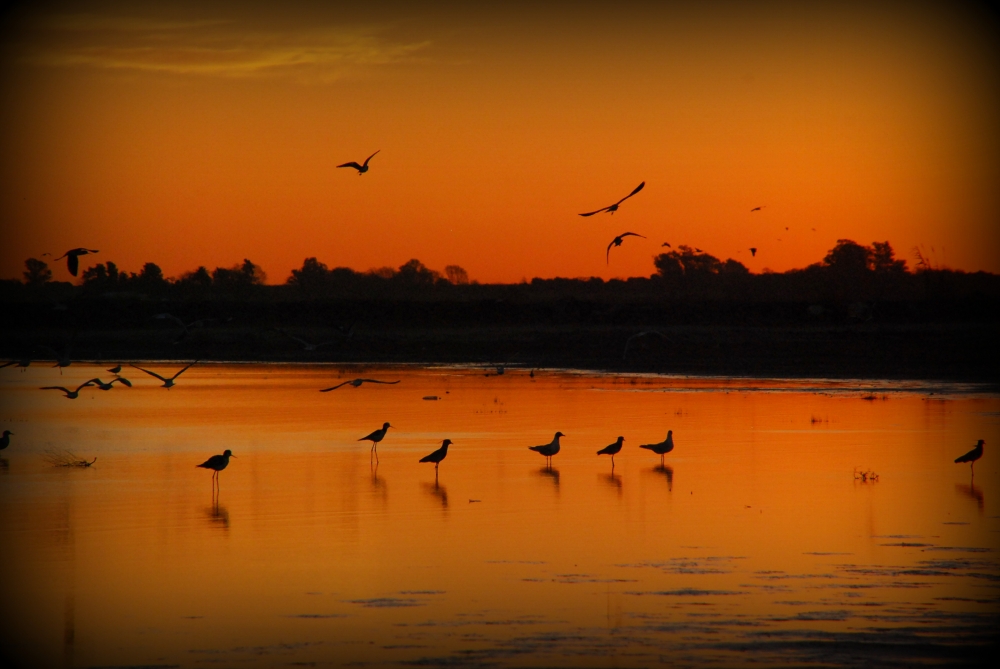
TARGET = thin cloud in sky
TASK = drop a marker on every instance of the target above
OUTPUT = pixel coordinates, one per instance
(222, 48)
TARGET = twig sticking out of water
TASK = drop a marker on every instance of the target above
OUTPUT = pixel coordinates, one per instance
(66, 458)
(865, 476)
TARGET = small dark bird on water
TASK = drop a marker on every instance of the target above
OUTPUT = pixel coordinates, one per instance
(437, 456)
(973, 455)
(753, 251)
(612, 449)
(663, 447)
(375, 437)
(356, 383)
(614, 207)
(217, 463)
(73, 258)
(617, 241)
(5, 439)
(360, 168)
(549, 449)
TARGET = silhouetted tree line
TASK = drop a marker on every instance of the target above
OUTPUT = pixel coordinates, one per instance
(850, 272)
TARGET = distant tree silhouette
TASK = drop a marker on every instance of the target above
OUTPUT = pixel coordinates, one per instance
(884, 260)
(456, 275)
(414, 273)
(383, 272)
(312, 276)
(36, 272)
(198, 278)
(848, 257)
(239, 277)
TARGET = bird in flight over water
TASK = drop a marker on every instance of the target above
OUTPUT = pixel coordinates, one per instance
(617, 241)
(167, 383)
(360, 168)
(73, 258)
(613, 208)
(667, 244)
(356, 383)
(70, 394)
(757, 208)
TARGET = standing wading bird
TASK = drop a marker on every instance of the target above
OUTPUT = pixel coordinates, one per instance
(617, 241)
(549, 449)
(612, 449)
(5, 439)
(437, 456)
(753, 251)
(360, 168)
(73, 258)
(973, 455)
(356, 383)
(663, 447)
(70, 394)
(217, 463)
(108, 386)
(613, 208)
(167, 383)
(375, 437)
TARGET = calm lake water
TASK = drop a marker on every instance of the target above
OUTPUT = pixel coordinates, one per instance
(755, 544)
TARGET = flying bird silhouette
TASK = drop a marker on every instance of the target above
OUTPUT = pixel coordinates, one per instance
(612, 449)
(108, 386)
(360, 168)
(617, 241)
(356, 383)
(70, 394)
(972, 455)
(167, 383)
(753, 251)
(549, 449)
(757, 208)
(667, 244)
(614, 207)
(72, 258)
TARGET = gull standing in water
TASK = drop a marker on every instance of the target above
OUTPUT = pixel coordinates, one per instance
(663, 447)
(167, 383)
(972, 455)
(549, 449)
(612, 449)
(356, 383)
(614, 207)
(5, 439)
(217, 463)
(73, 258)
(71, 394)
(360, 168)
(437, 456)
(375, 437)
(617, 241)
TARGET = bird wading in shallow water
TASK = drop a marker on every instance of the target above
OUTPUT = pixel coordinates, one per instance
(972, 455)
(437, 456)
(612, 449)
(217, 463)
(360, 168)
(614, 207)
(375, 437)
(549, 449)
(663, 447)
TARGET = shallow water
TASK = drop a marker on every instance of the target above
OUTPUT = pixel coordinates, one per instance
(754, 544)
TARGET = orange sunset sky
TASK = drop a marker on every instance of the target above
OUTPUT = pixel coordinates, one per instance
(203, 133)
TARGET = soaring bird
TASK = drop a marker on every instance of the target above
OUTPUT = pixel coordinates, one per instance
(108, 386)
(973, 455)
(356, 383)
(549, 449)
(613, 208)
(663, 447)
(757, 208)
(753, 251)
(73, 258)
(70, 394)
(612, 449)
(5, 439)
(217, 463)
(375, 437)
(437, 456)
(23, 363)
(167, 383)
(667, 244)
(617, 241)
(360, 168)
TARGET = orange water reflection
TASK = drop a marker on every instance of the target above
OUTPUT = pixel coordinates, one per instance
(311, 554)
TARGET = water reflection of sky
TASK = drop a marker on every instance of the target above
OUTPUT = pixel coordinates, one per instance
(753, 541)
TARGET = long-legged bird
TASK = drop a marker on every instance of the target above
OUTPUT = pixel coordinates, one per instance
(217, 463)
(663, 447)
(617, 241)
(972, 455)
(612, 449)
(73, 258)
(375, 437)
(360, 168)
(614, 207)
(437, 456)
(549, 449)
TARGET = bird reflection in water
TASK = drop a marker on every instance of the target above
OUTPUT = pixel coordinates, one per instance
(613, 480)
(438, 491)
(549, 472)
(668, 471)
(219, 515)
(4, 466)
(972, 492)
(378, 484)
